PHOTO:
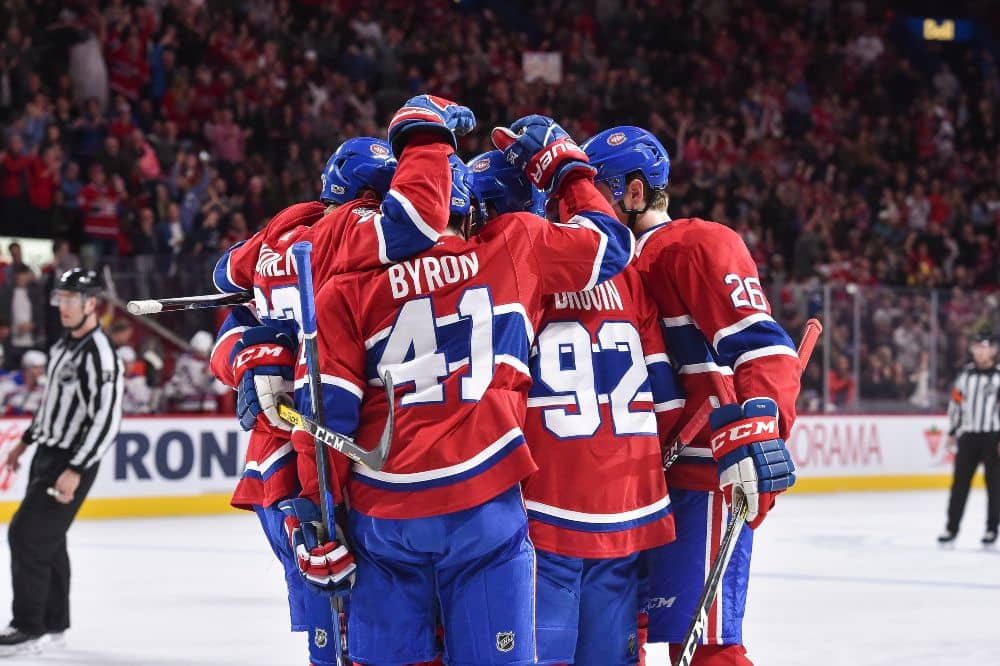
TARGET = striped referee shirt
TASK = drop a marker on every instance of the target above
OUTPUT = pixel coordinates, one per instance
(974, 405)
(81, 411)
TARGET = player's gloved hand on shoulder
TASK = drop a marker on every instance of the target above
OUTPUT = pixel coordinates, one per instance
(429, 113)
(751, 457)
(328, 565)
(542, 149)
(263, 362)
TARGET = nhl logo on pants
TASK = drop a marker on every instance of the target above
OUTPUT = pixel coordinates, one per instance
(505, 641)
(320, 637)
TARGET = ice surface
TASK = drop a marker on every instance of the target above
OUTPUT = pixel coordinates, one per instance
(851, 579)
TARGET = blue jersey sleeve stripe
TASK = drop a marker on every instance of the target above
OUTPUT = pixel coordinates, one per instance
(760, 334)
(687, 345)
(773, 350)
(741, 325)
(341, 407)
(663, 383)
(402, 231)
(413, 215)
(221, 275)
(616, 248)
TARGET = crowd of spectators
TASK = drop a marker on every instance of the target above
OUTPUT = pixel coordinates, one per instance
(845, 150)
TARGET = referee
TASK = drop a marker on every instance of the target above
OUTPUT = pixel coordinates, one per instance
(78, 420)
(974, 412)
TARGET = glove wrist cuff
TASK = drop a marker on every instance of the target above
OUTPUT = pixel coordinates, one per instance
(401, 136)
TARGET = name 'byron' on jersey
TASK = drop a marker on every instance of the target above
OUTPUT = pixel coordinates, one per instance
(454, 326)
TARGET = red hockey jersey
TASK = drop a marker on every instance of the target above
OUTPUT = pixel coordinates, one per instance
(358, 235)
(601, 383)
(718, 328)
(453, 326)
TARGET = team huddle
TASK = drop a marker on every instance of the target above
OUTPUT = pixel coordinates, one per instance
(545, 331)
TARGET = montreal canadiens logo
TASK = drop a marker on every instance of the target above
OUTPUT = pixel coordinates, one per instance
(379, 150)
(616, 139)
(481, 165)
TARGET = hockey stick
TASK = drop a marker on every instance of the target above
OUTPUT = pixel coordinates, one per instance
(700, 418)
(303, 265)
(373, 459)
(728, 546)
(157, 305)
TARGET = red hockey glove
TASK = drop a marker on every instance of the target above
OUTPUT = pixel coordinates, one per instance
(327, 566)
(751, 457)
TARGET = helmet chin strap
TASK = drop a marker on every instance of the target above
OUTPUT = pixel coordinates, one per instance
(633, 213)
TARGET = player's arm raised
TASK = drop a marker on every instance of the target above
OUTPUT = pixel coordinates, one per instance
(591, 246)
(414, 211)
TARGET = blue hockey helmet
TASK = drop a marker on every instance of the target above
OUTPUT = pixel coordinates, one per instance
(619, 151)
(359, 163)
(463, 187)
(505, 186)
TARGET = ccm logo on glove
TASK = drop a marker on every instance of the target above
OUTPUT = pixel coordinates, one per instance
(744, 432)
(258, 352)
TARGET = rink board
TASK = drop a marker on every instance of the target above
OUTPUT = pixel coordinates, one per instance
(184, 465)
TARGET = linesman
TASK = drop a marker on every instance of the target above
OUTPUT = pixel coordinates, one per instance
(77, 422)
(974, 413)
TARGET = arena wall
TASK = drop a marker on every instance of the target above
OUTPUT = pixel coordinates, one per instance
(188, 465)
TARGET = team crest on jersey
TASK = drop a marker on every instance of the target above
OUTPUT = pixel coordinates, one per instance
(379, 150)
(616, 139)
(319, 638)
(481, 165)
(364, 212)
(505, 641)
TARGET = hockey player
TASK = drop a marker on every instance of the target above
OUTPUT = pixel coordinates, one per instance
(600, 380)
(442, 527)
(726, 348)
(358, 223)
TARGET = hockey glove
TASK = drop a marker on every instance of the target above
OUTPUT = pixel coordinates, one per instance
(327, 566)
(542, 149)
(263, 362)
(430, 113)
(752, 458)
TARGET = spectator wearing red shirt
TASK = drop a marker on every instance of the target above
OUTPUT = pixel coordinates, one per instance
(14, 169)
(99, 201)
(128, 68)
(43, 183)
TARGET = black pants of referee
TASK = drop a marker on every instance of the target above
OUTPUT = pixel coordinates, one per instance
(975, 448)
(39, 561)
